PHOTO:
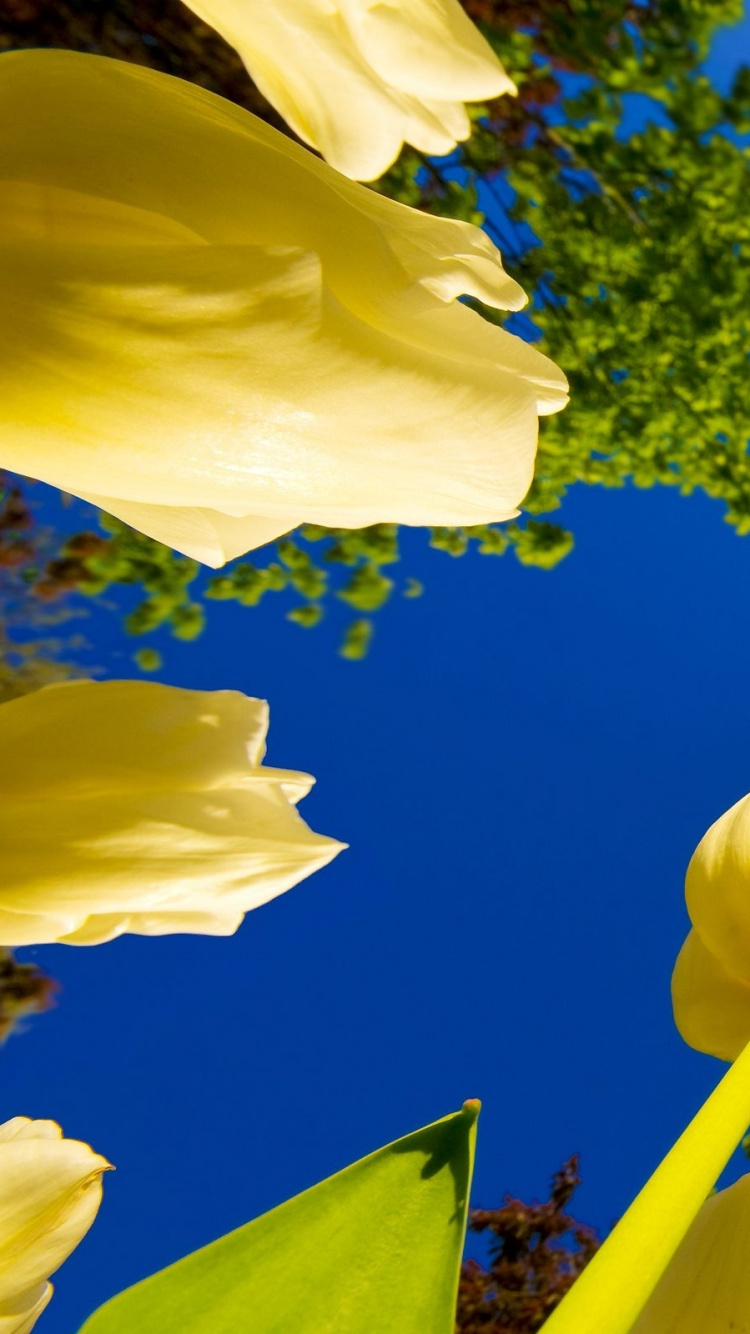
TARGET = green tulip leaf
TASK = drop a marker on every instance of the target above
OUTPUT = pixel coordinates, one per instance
(375, 1249)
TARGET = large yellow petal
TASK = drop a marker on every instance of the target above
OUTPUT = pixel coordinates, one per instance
(218, 364)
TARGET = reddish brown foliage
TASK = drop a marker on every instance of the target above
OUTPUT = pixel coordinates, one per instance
(536, 1253)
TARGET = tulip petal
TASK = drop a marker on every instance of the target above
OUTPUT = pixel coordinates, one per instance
(358, 79)
(22, 1127)
(100, 928)
(706, 1289)
(186, 851)
(50, 1190)
(196, 320)
(711, 1008)
(615, 1286)
(217, 365)
(428, 48)
(717, 889)
(207, 535)
(376, 1247)
(90, 738)
(18, 1315)
(140, 807)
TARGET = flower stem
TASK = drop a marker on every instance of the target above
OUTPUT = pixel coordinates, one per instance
(615, 1286)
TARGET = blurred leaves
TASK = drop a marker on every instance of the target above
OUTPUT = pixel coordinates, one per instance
(24, 990)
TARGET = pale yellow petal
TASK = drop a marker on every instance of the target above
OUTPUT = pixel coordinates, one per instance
(92, 738)
(361, 426)
(706, 1288)
(221, 851)
(355, 80)
(50, 1190)
(22, 1127)
(101, 928)
(206, 535)
(322, 86)
(220, 364)
(428, 48)
(135, 805)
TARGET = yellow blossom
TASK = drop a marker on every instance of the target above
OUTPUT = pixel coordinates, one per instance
(358, 78)
(50, 1191)
(133, 806)
(213, 335)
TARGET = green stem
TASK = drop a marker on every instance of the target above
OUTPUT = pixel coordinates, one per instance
(615, 1286)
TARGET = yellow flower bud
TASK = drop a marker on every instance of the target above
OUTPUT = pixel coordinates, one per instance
(357, 79)
(50, 1191)
(213, 335)
(133, 806)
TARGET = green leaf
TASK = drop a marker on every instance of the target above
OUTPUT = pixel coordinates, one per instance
(375, 1249)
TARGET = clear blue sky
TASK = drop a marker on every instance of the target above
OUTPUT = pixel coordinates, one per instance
(522, 768)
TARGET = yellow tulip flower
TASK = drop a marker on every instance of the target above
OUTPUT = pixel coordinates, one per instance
(213, 335)
(357, 79)
(50, 1191)
(133, 806)
(711, 981)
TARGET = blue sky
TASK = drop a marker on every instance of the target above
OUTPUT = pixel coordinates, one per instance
(522, 767)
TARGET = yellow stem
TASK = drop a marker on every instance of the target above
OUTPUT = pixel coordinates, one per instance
(615, 1286)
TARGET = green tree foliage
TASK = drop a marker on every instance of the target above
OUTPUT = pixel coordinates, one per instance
(634, 248)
